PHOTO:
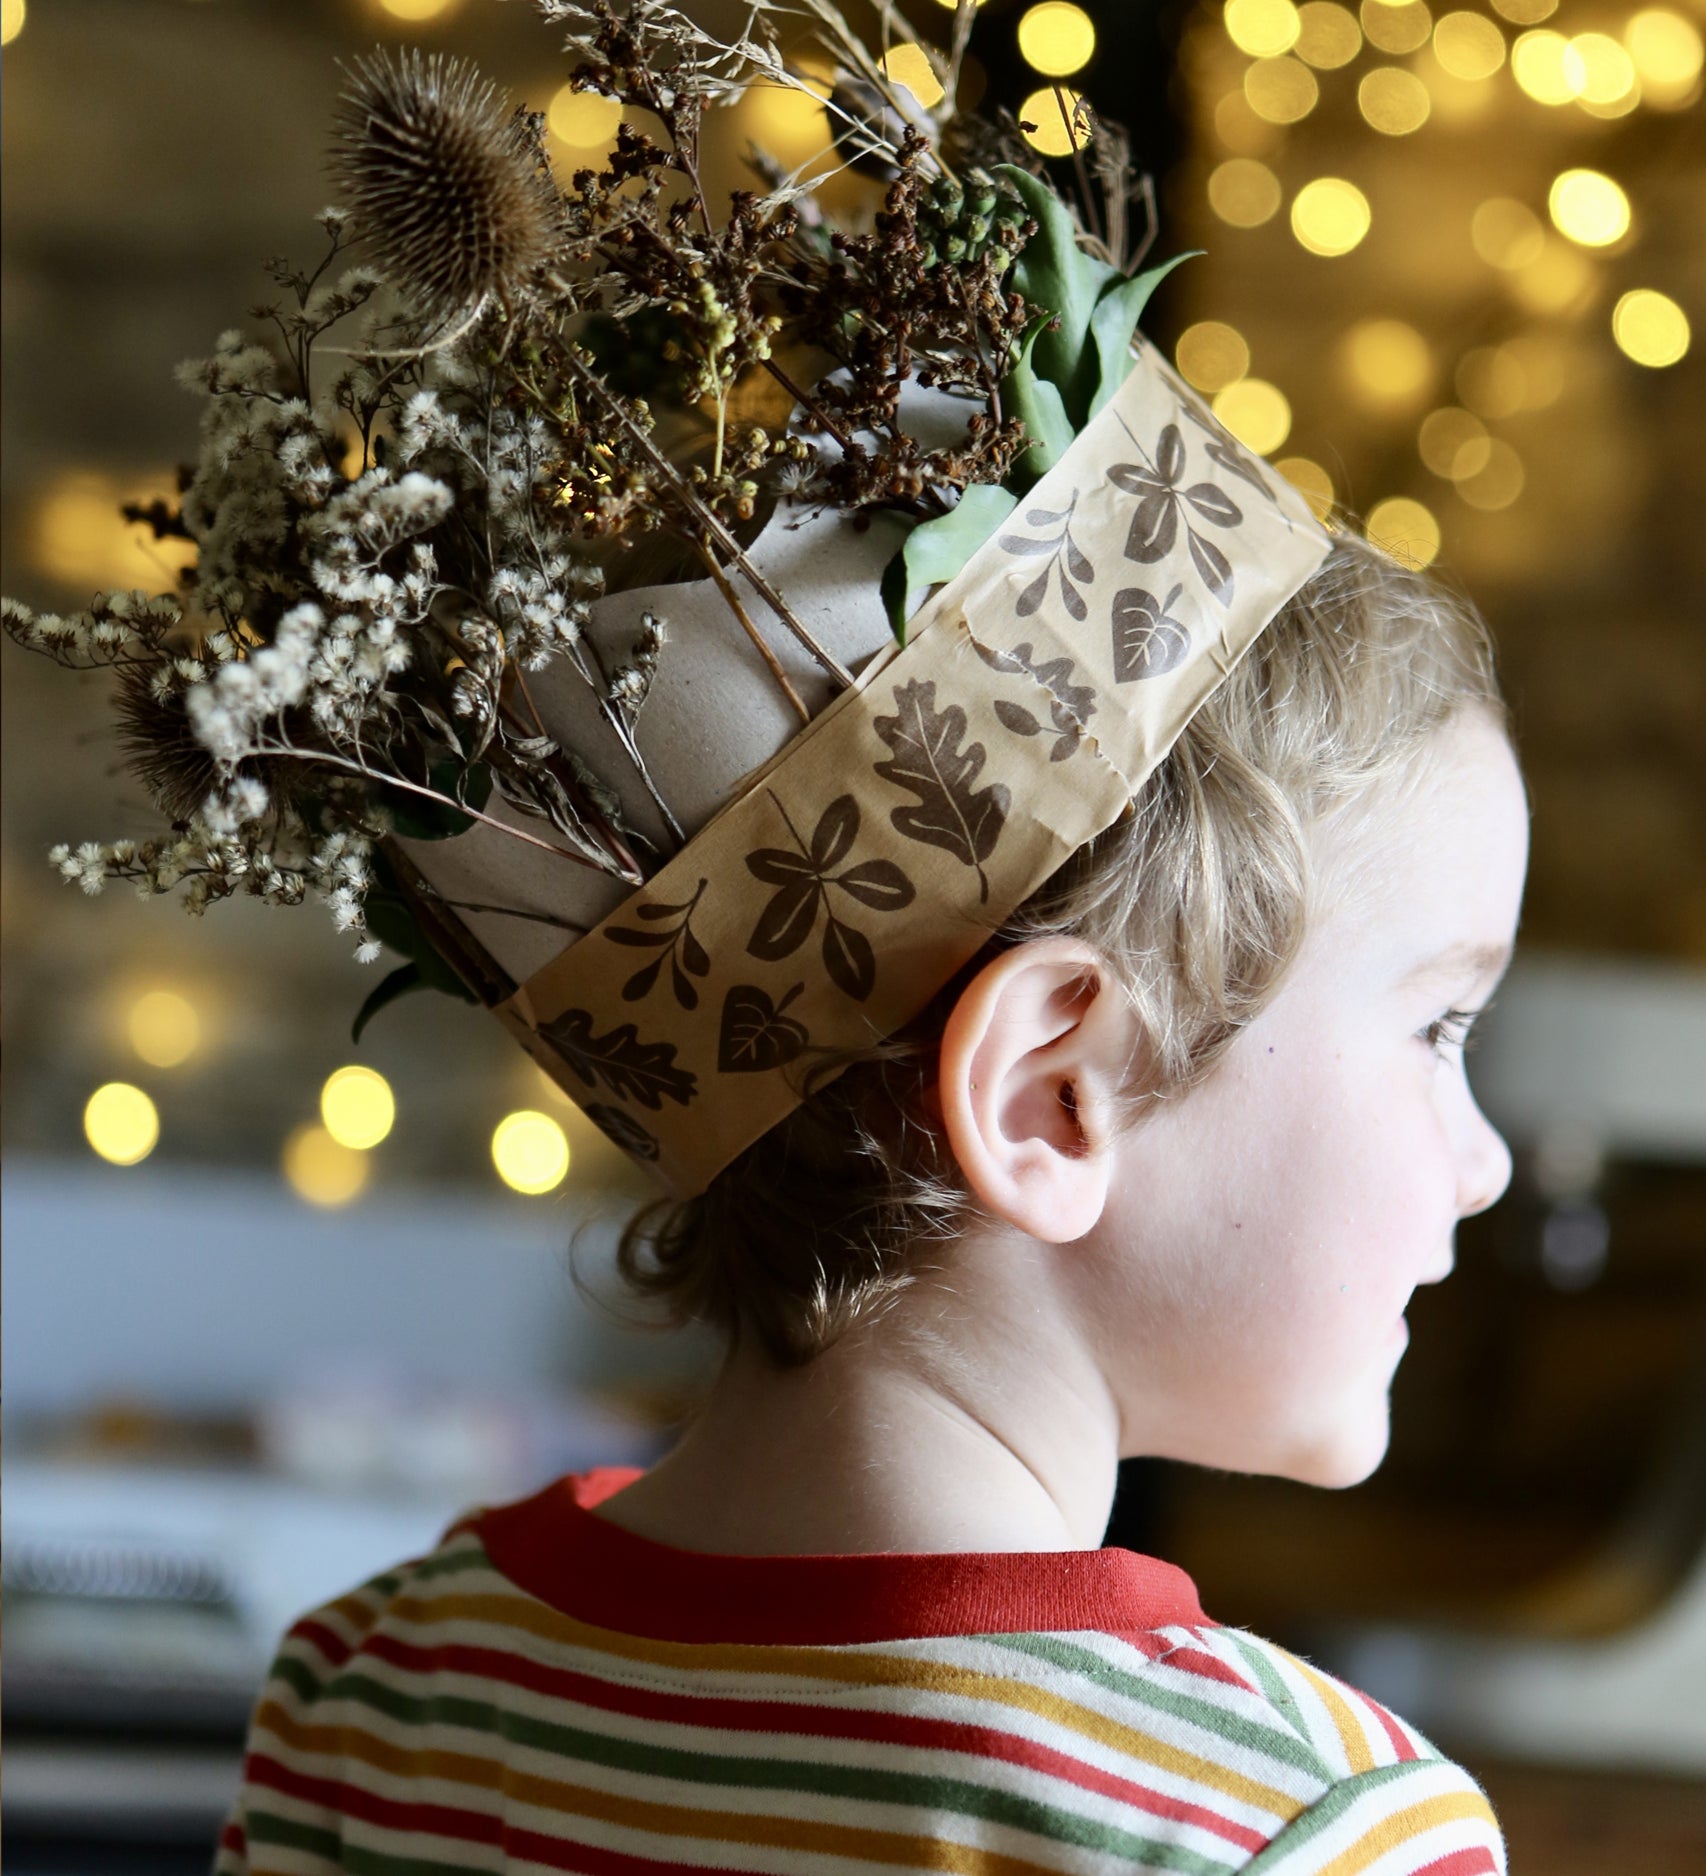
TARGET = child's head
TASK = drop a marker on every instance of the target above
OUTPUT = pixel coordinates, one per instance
(1180, 1057)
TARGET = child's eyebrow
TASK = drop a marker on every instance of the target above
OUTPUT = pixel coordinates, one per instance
(1460, 960)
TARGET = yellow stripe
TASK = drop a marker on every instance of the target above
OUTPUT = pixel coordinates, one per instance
(1403, 1827)
(342, 1744)
(1345, 1722)
(853, 1669)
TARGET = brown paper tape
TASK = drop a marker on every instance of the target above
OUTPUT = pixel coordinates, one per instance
(859, 869)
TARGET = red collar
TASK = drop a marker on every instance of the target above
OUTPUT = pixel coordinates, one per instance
(553, 1546)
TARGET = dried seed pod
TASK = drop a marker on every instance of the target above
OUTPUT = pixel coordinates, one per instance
(447, 185)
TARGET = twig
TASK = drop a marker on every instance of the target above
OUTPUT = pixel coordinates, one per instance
(752, 631)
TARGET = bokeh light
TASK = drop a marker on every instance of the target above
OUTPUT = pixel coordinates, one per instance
(357, 1106)
(1311, 480)
(1562, 280)
(1650, 327)
(1589, 208)
(1328, 36)
(1211, 355)
(163, 1028)
(1525, 12)
(1667, 54)
(1469, 46)
(1393, 101)
(1263, 28)
(1507, 233)
(1256, 412)
(530, 1151)
(415, 11)
(1281, 90)
(1404, 530)
(1330, 215)
(582, 120)
(1499, 480)
(12, 14)
(1057, 38)
(1537, 65)
(121, 1123)
(1453, 443)
(78, 537)
(1243, 192)
(1601, 75)
(1389, 364)
(790, 124)
(909, 64)
(1238, 128)
(1491, 381)
(1400, 28)
(1052, 110)
(323, 1170)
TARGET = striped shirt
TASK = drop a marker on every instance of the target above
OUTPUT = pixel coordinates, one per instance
(546, 1691)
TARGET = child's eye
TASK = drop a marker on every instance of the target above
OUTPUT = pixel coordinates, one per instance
(1451, 1030)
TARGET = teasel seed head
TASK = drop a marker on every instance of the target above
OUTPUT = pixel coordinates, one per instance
(446, 185)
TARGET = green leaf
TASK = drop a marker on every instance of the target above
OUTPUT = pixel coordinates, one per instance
(937, 550)
(1115, 320)
(416, 818)
(1026, 395)
(398, 983)
(1054, 271)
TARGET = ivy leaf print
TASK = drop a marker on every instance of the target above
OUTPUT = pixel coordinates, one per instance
(644, 1072)
(1148, 640)
(755, 1034)
(951, 812)
(622, 1129)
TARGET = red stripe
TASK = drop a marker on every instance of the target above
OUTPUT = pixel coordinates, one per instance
(331, 1646)
(1204, 1665)
(1478, 1860)
(912, 1731)
(1401, 1741)
(232, 1838)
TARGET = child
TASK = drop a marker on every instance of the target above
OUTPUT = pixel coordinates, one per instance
(1156, 1174)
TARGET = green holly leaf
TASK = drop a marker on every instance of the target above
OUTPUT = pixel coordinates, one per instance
(937, 550)
(1115, 320)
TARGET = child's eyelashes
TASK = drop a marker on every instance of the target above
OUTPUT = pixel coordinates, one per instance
(1451, 1029)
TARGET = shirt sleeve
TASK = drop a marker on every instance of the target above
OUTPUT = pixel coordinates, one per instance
(1423, 1817)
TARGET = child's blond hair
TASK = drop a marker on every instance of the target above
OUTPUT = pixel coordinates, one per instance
(1197, 899)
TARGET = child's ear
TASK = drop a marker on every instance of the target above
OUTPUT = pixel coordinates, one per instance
(1032, 1058)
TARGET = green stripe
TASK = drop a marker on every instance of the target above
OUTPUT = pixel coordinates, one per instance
(1257, 1660)
(452, 1563)
(1327, 1810)
(269, 1827)
(1237, 1728)
(862, 1784)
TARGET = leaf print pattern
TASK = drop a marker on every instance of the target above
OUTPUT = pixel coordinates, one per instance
(1162, 503)
(803, 881)
(1070, 708)
(1227, 452)
(676, 944)
(1148, 640)
(1065, 557)
(756, 1033)
(622, 1129)
(951, 811)
(631, 1069)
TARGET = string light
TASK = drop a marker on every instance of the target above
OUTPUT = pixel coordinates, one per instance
(164, 1029)
(1404, 530)
(582, 120)
(1393, 101)
(1256, 412)
(1281, 90)
(1507, 233)
(1396, 28)
(1211, 355)
(1328, 37)
(1537, 64)
(1389, 364)
(322, 1170)
(1667, 54)
(1329, 215)
(357, 1107)
(121, 1123)
(1650, 328)
(909, 64)
(1262, 28)
(1056, 129)
(1311, 480)
(1589, 208)
(1057, 38)
(1469, 46)
(1243, 192)
(530, 1151)
(1499, 480)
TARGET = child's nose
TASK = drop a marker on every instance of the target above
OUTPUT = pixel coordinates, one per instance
(1484, 1165)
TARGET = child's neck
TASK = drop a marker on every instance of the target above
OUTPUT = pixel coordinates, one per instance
(877, 1447)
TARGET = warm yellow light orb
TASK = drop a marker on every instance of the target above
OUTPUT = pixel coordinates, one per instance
(1396, 28)
(12, 13)
(1281, 91)
(121, 1123)
(1057, 38)
(1057, 128)
(1388, 362)
(909, 64)
(163, 1028)
(582, 120)
(1212, 355)
(1561, 281)
(1507, 233)
(1525, 12)
(1393, 101)
(1328, 36)
(1588, 207)
(1599, 71)
(1311, 480)
(530, 1151)
(357, 1107)
(1667, 54)
(1650, 327)
(790, 124)
(1256, 412)
(1498, 481)
(1263, 28)
(1404, 530)
(1454, 443)
(323, 1170)
(1537, 65)
(1469, 45)
(1491, 381)
(1243, 192)
(1329, 215)
(414, 11)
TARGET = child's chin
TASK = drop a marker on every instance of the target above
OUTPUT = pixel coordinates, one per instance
(1344, 1455)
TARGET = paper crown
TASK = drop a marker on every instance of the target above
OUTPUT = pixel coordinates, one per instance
(836, 878)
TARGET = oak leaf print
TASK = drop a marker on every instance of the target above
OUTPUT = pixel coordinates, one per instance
(756, 1033)
(622, 1129)
(951, 812)
(632, 1070)
(1148, 640)
(1071, 706)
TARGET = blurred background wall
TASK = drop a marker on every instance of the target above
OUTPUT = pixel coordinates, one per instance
(266, 1330)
